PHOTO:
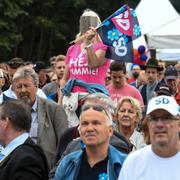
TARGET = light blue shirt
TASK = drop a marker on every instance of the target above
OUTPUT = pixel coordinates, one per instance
(9, 93)
(13, 145)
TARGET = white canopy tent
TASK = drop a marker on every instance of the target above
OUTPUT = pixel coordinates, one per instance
(154, 14)
(165, 37)
(160, 23)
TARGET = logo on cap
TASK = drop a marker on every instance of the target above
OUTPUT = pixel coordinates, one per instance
(162, 101)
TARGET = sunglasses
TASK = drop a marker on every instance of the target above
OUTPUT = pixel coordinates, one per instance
(95, 107)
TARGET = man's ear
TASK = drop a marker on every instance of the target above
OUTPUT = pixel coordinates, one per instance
(179, 125)
(12, 86)
(6, 123)
(111, 130)
(79, 130)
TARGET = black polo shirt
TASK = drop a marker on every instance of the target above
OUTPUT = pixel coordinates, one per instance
(97, 172)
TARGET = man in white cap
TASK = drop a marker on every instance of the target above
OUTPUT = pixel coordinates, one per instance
(161, 159)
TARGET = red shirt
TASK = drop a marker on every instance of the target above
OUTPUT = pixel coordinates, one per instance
(177, 97)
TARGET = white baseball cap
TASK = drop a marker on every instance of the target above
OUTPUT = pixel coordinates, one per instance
(167, 103)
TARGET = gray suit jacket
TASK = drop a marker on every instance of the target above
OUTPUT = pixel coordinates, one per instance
(52, 122)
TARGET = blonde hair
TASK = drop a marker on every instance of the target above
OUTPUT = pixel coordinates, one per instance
(134, 102)
(60, 57)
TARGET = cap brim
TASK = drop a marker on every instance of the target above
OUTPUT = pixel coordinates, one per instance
(158, 68)
(171, 77)
(168, 110)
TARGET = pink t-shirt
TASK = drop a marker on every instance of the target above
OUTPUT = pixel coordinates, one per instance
(127, 90)
(76, 59)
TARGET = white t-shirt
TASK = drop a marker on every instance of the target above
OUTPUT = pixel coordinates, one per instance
(144, 164)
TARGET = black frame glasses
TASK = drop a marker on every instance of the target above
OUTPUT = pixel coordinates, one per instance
(164, 119)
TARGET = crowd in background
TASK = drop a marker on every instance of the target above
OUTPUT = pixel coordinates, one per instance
(79, 96)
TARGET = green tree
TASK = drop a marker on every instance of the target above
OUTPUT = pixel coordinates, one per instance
(38, 29)
(10, 26)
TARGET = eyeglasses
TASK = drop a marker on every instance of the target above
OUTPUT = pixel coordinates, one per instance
(95, 107)
(165, 119)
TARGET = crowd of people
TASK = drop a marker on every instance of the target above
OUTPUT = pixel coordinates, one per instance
(85, 117)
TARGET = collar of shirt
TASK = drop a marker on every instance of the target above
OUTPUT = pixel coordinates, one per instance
(14, 144)
(10, 93)
(152, 86)
(34, 107)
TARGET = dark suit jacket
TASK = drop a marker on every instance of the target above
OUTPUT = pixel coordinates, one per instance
(26, 162)
(52, 122)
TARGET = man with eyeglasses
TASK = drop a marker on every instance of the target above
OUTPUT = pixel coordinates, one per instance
(97, 159)
(161, 159)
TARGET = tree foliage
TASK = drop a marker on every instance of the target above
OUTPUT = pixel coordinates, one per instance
(38, 29)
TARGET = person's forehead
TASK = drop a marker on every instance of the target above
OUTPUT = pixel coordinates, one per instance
(91, 115)
(24, 79)
(59, 63)
(177, 66)
(42, 72)
(160, 112)
(150, 69)
(136, 69)
(117, 73)
(127, 106)
(171, 79)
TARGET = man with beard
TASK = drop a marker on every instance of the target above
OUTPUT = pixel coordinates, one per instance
(48, 118)
(151, 70)
(161, 159)
(135, 70)
(13, 65)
